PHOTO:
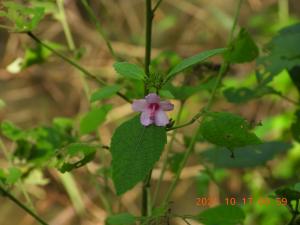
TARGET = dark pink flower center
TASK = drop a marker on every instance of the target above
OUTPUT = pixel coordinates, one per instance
(153, 107)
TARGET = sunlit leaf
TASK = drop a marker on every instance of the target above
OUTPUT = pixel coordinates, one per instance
(105, 92)
(93, 119)
(129, 70)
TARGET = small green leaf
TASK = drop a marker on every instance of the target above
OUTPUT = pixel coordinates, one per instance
(129, 70)
(188, 62)
(76, 155)
(135, 149)
(120, 219)
(295, 128)
(245, 157)
(222, 215)
(243, 49)
(227, 130)
(105, 92)
(14, 174)
(93, 119)
(12, 132)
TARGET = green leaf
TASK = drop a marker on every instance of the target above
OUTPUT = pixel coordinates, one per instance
(227, 130)
(105, 92)
(188, 62)
(76, 155)
(93, 119)
(243, 49)
(135, 149)
(23, 17)
(290, 193)
(121, 219)
(283, 52)
(295, 128)
(129, 70)
(222, 215)
(245, 157)
(14, 174)
(12, 132)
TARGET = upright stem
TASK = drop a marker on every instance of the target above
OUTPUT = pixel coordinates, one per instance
(63, 20)
(21, 205)
(146, 183)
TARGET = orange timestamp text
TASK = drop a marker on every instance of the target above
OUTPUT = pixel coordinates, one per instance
(232, 201)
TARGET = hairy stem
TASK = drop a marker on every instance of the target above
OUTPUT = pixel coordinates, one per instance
(74, 64)
(21, 205)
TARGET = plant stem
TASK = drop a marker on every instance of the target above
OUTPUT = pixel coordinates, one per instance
(94, 19)
(21, 205)
(164, 167)
(74, 64)
(191, 146)
(156, 6)
(66, 28)
(149, 19)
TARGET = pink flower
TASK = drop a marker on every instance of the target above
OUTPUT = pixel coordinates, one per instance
(152, 109)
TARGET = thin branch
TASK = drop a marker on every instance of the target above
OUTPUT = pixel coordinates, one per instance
(156, 6)
(194, 119)
(21, 205)
(94, 19)
(74, 64)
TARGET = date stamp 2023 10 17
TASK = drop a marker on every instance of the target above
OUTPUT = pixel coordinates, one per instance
(232, 201)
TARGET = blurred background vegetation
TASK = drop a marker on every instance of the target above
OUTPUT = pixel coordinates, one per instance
(39, 93)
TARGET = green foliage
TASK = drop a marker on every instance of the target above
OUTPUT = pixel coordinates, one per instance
(193, 60)
(227, 130)
(174, 161)
(295, 128)
(14, 174)
(120, 219)
(222, 214)
(245, 157)
(23, 17)
(135, 149)
(242, 49)
(93, 119)
(105, 92)
(75, 155)
(283, 52)
(129, 70)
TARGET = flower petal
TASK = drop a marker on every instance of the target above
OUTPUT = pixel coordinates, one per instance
(139, 105)
(152, 98)
(146, 118)
(166, 105)
(161, 118)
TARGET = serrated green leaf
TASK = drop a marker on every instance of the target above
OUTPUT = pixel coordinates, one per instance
(76, 155)
(135, 149)
(120, 219)
(93, 119)
(243, 49)
(245, 157)
(129, 70)
(222, 215)
(188, 62)
(227, 130)
(105, 92)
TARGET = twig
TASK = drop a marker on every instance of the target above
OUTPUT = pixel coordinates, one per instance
(156, 6)
(21, 205)
(74, 64)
